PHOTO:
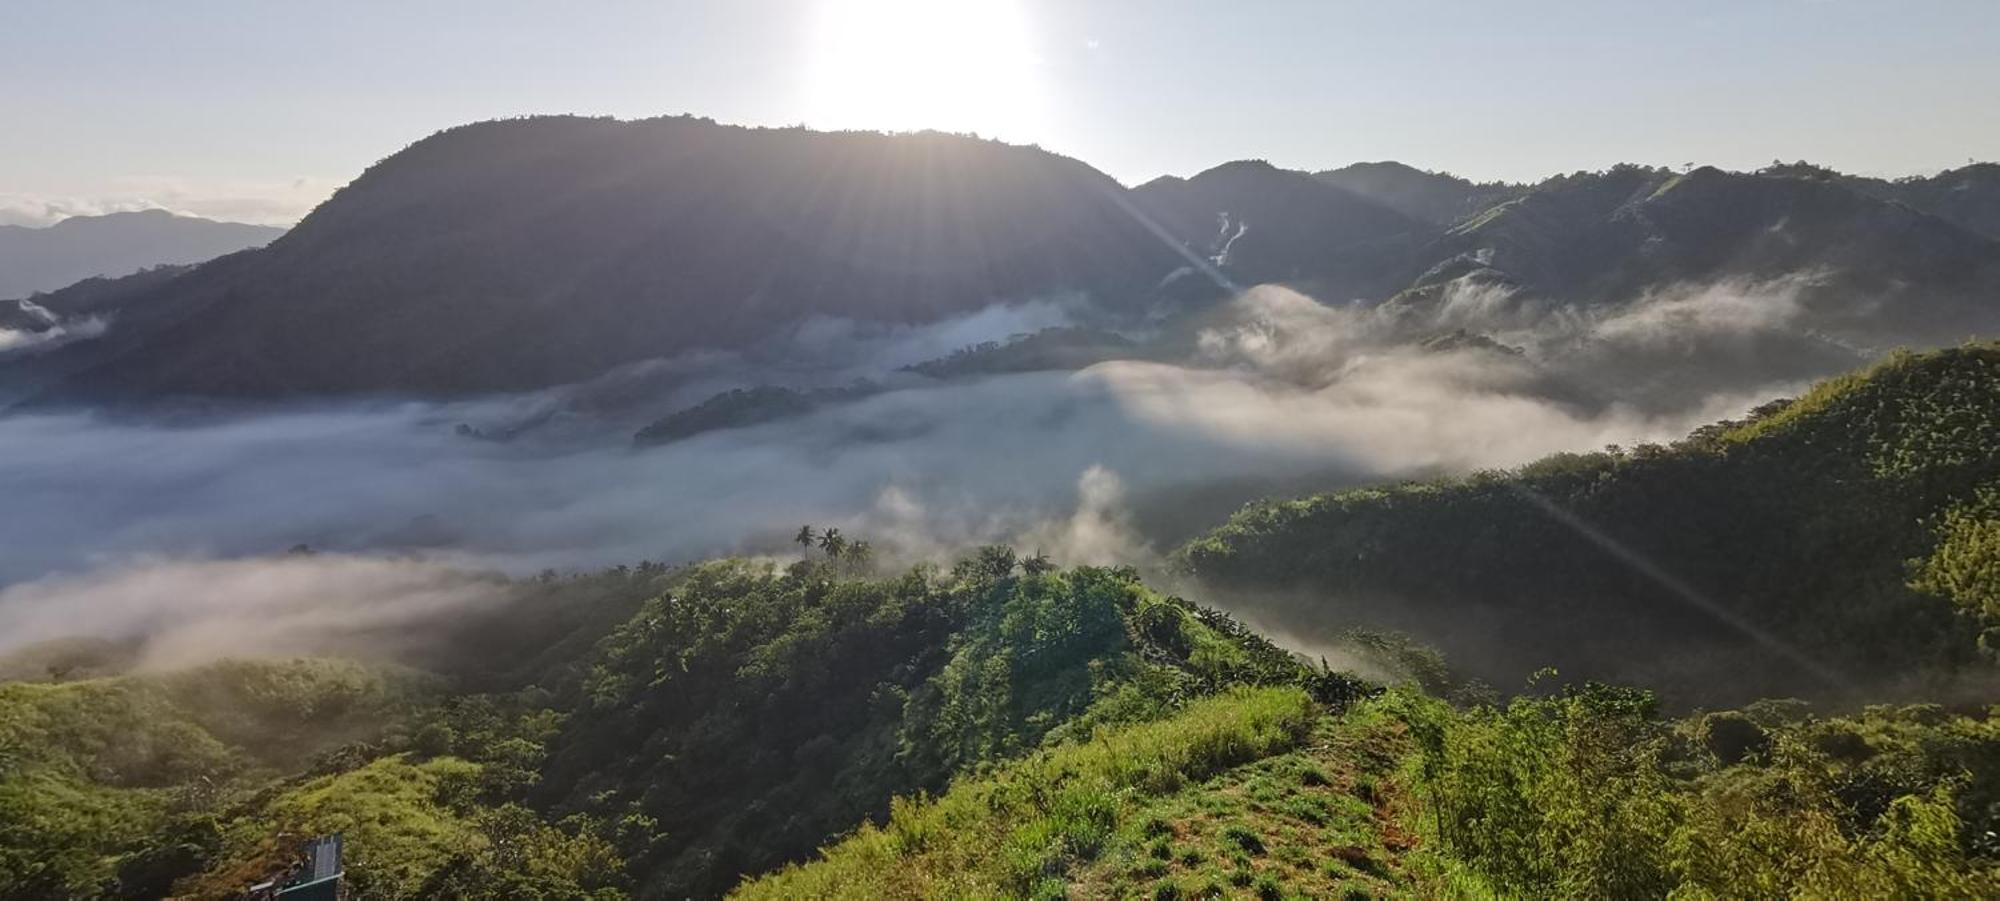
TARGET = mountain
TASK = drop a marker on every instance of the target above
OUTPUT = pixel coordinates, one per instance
(1822, 548)
(524, 253)
(1439, 198)
(76, 320)
(1968, 195)
(517, 255)
(1259, 223)
(80, 247)
(1868, 268)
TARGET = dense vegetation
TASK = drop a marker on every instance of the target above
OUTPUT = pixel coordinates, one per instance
(1778, 550)
(118, 785)
(1006, 727)
(748, 715)
(735, 721)
(1584, 793)
(992, 730)
(1588, 793)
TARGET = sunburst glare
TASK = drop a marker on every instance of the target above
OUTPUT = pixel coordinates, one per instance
(904, 65)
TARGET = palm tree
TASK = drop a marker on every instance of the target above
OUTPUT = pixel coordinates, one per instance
(832, 543)
(859, 554)
(805, 541)
(1038, 564)
(996, 560)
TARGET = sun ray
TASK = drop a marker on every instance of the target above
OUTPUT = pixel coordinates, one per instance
(906, 65)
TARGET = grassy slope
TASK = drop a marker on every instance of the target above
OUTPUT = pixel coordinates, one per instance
(751, 714)
(1321, 820)
(1028, 826)
(95, 775)
(1585, 793)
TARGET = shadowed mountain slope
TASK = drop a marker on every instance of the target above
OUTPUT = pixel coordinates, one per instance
(1261, 224)
(517, 254)
(1435, 197)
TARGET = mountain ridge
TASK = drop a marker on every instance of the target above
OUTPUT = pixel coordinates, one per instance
(35, 260)
(522, 254)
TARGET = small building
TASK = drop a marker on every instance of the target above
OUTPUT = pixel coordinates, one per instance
(315, 876)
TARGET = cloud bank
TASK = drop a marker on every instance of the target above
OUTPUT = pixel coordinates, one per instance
(145, 523)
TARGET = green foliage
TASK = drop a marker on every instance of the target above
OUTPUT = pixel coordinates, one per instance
(1756, 558)
(1007, 728)
(1036, 819)
(109, 786)
(413, 832)
(1965, 566)
(1590, 794)
(752, 713)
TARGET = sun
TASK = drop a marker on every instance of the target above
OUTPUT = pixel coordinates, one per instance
(905, 65)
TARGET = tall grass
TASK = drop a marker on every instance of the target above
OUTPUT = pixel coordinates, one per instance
(1020, 831)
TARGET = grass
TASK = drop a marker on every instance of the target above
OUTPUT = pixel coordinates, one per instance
(91, 768)
(1031, 827)
(1321, 820)
(397, 831)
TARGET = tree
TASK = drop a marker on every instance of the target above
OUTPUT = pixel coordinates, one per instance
(859, 555)
(805, 540)
(833, 544)
(994, 561)
(1038, 564)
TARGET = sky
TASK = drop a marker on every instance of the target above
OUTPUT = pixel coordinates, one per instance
(256, 111)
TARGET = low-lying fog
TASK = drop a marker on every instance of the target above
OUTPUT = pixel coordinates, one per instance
(111, 518)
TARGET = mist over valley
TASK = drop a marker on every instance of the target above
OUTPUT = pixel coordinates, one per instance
(575, 506)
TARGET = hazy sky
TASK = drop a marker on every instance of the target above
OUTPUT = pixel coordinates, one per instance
(256, 110)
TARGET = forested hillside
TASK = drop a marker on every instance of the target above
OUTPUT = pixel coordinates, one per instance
(748, 717)
(1838, 543)
(1003, 729)
(739, 719)
(1008, 727)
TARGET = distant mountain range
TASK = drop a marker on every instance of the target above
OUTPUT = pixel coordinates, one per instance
(44, 259)
(520, 254)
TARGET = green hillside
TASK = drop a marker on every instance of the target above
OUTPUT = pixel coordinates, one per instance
(989, 731)
(750, 715)
(112, 786)
(1008, 728)
(1586, 793)
(736, 721)
(1842, 542)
